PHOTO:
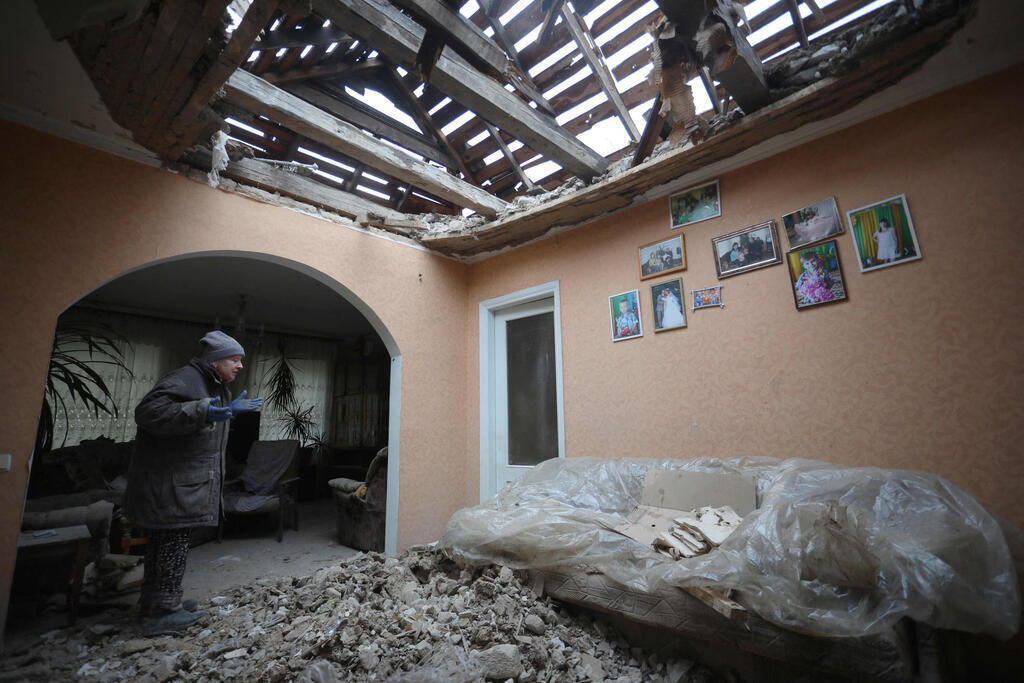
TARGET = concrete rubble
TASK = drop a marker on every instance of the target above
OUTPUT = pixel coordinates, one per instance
(416, 618)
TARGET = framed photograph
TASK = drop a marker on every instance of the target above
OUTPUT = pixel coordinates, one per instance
(816, 275)
(695, 204)
(883, 234)
(747, 249)
(707, 297)
(667, 304)
(625, 312)
(662, 257)
(812, 223)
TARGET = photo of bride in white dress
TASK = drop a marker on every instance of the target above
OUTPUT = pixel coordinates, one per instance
(668, 307)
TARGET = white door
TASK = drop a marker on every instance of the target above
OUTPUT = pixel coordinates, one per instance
(525, 392)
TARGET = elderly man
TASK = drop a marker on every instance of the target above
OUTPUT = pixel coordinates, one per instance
(177, 470)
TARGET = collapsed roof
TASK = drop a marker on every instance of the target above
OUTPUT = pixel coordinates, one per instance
(511, 117)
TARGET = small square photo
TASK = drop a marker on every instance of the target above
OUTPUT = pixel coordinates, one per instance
(667, 303)
(883, 234)
(812, 223)
(695, 204)
(816, 275)
(707, 297)
(625, 312)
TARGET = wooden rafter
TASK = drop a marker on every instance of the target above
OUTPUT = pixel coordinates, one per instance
(578, 28)
(502, 38)
(464, 37)
(423, 118)
(357, 113)
(551, 14)
(256, 95)
(270, 176)
(397, 38)
(507, 153)
(798, 22)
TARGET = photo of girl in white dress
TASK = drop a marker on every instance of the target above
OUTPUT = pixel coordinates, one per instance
(883, 234)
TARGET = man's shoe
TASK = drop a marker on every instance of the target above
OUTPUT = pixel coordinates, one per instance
(190, 605)
(170, 622)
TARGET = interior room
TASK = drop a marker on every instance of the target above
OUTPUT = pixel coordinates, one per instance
(512, 280)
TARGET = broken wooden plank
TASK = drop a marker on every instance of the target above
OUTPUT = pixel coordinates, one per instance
(521, 72)
(551, 14)
(253, 93)
(580, 33)
(397, 37)
(275, 177)
(720, 602)
(652, 133)
(182, 133)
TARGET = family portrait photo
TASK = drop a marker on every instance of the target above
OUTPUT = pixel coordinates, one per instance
(695, 204)
(747, 249)
(812, 223)
(625, 313)
(883, 234)
(707, 297)
(667, 300)
(661, 257)
(816, 275)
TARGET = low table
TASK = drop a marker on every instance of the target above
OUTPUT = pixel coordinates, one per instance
(62, 544)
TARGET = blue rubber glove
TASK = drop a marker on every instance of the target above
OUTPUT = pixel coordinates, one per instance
(245, 405)
(216, 412)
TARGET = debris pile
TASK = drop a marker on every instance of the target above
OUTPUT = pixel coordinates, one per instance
(416, 618)
(697, 532)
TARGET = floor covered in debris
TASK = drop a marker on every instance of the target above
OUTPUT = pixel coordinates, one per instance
(309, 609)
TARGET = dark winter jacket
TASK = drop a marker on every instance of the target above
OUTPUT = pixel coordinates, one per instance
(177, 468)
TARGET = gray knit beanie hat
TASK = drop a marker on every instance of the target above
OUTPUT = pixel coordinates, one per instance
(217, 345)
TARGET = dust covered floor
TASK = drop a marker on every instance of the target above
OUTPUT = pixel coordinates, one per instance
(415, 618)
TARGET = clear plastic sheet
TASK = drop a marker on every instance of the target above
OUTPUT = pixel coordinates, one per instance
(831, 550)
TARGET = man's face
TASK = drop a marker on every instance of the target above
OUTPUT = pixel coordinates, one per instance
(227, 368)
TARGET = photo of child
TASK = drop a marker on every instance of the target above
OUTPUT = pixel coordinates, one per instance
(812, 223)
(816, 275)
(695, 204)
(667, 299)
(883, 234)
(625, 315)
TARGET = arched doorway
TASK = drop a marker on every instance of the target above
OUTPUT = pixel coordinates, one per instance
(265, 299)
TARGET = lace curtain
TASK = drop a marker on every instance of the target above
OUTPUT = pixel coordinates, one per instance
(156, 346)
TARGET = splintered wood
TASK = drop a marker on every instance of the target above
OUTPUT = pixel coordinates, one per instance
(697, 532)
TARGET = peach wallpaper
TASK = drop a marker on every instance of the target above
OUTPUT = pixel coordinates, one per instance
(75, 217)
(923, 366)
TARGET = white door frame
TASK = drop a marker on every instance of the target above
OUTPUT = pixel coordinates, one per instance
(488, 309)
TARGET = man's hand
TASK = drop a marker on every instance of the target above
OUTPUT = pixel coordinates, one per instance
(216, 412)
(245, 405)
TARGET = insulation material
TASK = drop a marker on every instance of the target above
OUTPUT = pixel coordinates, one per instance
(220, 158)
(927, 549)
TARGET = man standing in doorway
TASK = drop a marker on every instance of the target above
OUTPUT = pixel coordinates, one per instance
(177, 472)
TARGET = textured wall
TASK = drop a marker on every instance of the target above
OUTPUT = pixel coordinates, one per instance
(923, 366)
(74, 218)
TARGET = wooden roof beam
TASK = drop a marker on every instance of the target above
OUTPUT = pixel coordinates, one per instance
(255, 94)
(358, 114)
(463, 36)
(397, 38)
(509, 157)
(578, 29)
(505, 41)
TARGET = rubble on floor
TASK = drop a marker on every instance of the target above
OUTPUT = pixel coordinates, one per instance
(419, 617)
